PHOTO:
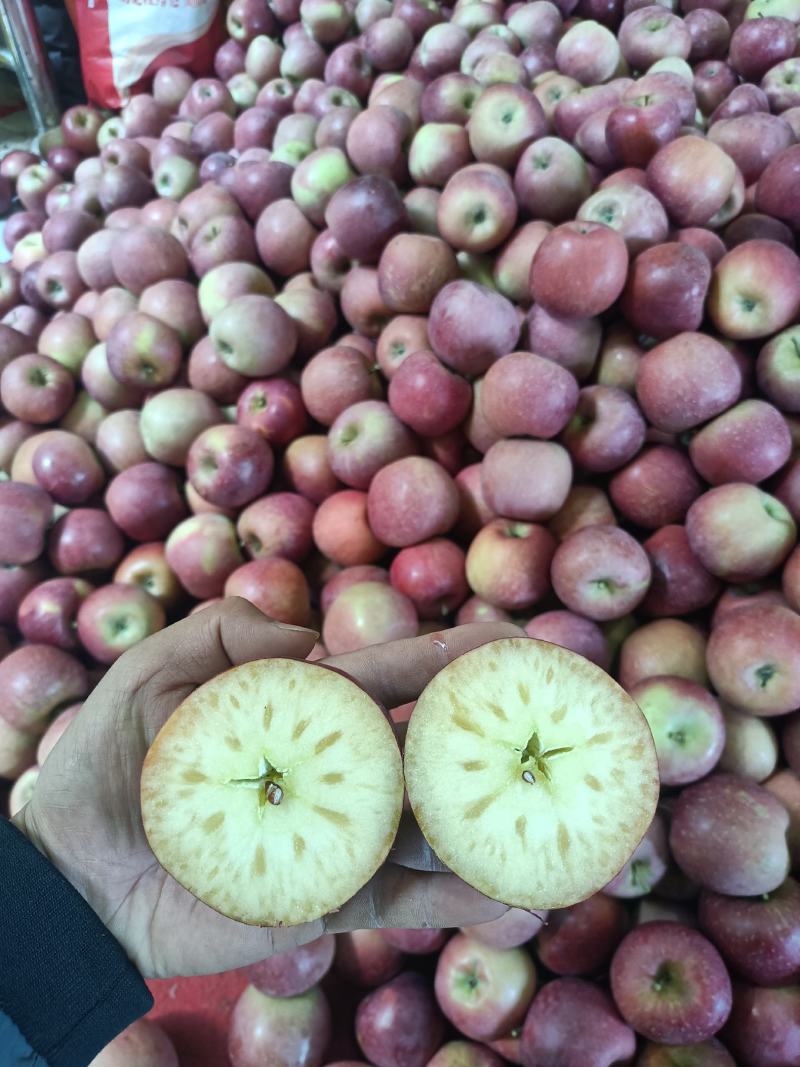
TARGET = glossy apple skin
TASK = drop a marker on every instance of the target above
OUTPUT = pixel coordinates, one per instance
(569, 250)
(755, 290)
(581, 939)
(572, 631)
(764, 1028)
(145, 501)
(294, 972)
(83, 540)
(672, 278)
(527, 395)
(142, 1042)
(399, 1025)
(47, 613)
(692, 178)
(428, 397)
(432, 575)
(748, 443)
(600, 572)
(283, 1032)
(203, 551)
(470, 326)
(729, 835)
(363, 439)
(508, 563)
(229, 465)
(368, 613)
(606, 430)
(484, 992)
(411, 500)
(573, 1023)
(276, 586)
(366, 959)
(341, 530)
(670, 983)
(680, 583)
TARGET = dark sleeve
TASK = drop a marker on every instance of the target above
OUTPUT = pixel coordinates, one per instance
(66, 986)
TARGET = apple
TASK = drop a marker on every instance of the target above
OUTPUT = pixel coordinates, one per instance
(474, 512)
(606, 429)
(314, 314)
(510, 493)
(432, 575)
(68, 229)
(471, 326)
(428, 397)
(581, 939)
(67, 339)
(295, 971)
(670, 983)
(728, 834)
(738, 532)
(639, 125)
(693, 178)
(571, 631)
(146, 567)
(755, 290)
(709, 376)
(170, 86)
(687, 725)
(645, 867)
(631, 211)
(342, 532)
(399, 337)
(398, 1024)
(515, 665)
(656, 488)
(508, 564)
(145, 501)
(85, 540)
(306, 467)
(573, 1023)
(143, 1041)
(335, 379)
(170, 421)
(363, 439)
(551, 179)
(411, 500)
(670, 647)
(47, 613)
(368, 613)
(276, 586)
(143, 352)
(416, 942)
(764, 1028)
(568, 250)
(600, 572)
(342, 580)
(37, 679)
(25, 513)
(673, 277)
(115, 618)
(33, 184)
(118, 440)
(203, 551)
(277, 525)
(366, 959)
(748, 443)
(144, 255)
(240, 330)
(680, 583)
(284, 237)
(751, 748)
(229, 465)
(66, 467)
(365, 756)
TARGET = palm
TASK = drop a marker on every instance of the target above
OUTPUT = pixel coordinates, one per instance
(85, 812)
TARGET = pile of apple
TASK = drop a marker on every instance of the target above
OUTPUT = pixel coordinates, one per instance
(414, 316)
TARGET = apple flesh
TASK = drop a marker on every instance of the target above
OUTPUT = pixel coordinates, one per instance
(523, 687)
(304, 780)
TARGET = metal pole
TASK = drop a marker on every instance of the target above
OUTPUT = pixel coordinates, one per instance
(31, 64)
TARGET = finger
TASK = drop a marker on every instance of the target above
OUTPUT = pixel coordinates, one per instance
(413, 900)
(410, 849)
(397, 672)
(204, 645)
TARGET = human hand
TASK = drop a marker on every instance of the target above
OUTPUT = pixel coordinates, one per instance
(85, 814)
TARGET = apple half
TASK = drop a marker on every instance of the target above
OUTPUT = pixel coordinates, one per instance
(532, 774)
(273, 793)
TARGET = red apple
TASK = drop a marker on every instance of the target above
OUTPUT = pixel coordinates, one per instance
(569, 250)
(276, 586)
(203, 551)
(368, 613)
(37, 679)
(291, 1031)
(573, 1023)
(508, 564)
(398, 1024)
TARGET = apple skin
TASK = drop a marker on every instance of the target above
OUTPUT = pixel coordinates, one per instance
(680, 585)
(693, 178)
(336, 378)
(606, 430)
(276, 586)
(398, 1024)
(645, 867)
(364, 958)
(146, 567)
(115, 617)
(145, 501)
(716, 525)
(572, 631)
(83, 540)
(399, 338)
(295, 971)
(757, 45)
(755, 290)
(364, 439)
(656, 488)
(66, 467)
(118, 440)
(143, 352)
(751, 748)
(25, 512)
(581, 939)
(776, 185)
(477, 209)
(670, 983)
(341, 530)
(748, 443)
(600, 572)
(36, 679)
(36, 389)
(238, 333)
(229, 465)
(687, 725)
(663, 647)
(510, 493)
(764, 1028)
(362, 572)
(483, 991)
(728, 834)
(428, 397)
(573, 1023)
(170, 420)
(508, 563)
(474, 512)
(143, 1041)
(527, 395)
(17, 751)
(775, 370)
(47, 613)
(144, 255)
(278, 524)
(203, 551)
(551, 179)
(513, 263)
(279, 1030)
(432, 576)
(368, 613)
(568, 251)
(471, 326)
(630, 210)
(672, 277)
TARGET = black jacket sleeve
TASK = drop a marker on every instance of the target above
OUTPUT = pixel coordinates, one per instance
(66, 986)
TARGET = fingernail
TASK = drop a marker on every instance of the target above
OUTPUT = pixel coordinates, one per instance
(297, 629)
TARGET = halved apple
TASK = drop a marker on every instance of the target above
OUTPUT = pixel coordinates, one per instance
(532, 774)
(274, 792)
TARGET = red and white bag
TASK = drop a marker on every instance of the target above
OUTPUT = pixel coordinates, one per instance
(124, 42)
